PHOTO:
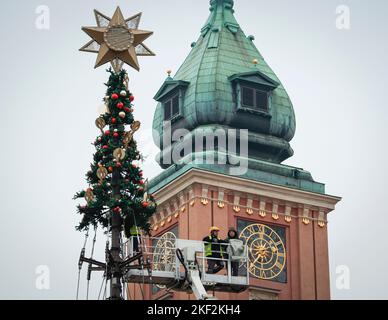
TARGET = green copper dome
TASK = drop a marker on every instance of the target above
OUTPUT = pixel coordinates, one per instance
(209, 90)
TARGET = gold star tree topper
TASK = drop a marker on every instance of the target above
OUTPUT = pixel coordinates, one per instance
(117, 40)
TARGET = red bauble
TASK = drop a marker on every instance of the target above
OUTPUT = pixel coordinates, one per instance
(127, 110)
(105, 147)
(141, 182)
(113, 120)
(110, 169)
(107, 132)
(145, 204)
(140, 173)
(117, 210)
(116, 135)
(119, 165)
(115, 96)
(120, 105)
(131, 98)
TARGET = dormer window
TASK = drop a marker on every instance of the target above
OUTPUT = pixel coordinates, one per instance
(171, 95)
(254, 98)
(253, 91)
(171, 108)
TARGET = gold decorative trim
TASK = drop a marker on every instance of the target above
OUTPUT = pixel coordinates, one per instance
(182, 201)
(162, 224)
(205, 192)
(236, 206)
(288, 217)
(275, 214)
(221, 205)
(221, 195)
(306, 219)
(321, 224)
(249, 209)
(191, 197)
(321, 219)
(169, 219)
(175, 205)
(262, 211)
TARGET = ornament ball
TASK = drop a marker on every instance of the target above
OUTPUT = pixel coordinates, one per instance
(123, 93)
(122, 114)
(115, 96)
(114, 120)
(107, 132)
(120, 105)
(131, 98)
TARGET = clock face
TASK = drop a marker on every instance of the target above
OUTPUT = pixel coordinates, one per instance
(164, 254)
(267, 251)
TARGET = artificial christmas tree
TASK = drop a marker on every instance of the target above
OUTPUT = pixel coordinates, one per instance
(116, 183)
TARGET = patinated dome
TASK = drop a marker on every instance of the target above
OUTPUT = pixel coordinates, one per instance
(223, 74)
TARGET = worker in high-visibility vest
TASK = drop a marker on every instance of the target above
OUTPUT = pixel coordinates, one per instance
(213, 251)
(135, 236)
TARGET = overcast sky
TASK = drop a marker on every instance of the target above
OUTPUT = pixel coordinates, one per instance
(51, 96)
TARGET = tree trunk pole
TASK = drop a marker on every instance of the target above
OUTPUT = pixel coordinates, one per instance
(115, 285)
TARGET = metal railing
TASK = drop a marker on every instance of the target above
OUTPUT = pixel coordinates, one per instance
(161, 254)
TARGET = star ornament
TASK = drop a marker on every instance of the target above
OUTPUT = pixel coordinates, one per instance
(117, 40)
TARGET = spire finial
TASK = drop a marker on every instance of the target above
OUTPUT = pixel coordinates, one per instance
(221, 16)
(213, 3)
(169, 72)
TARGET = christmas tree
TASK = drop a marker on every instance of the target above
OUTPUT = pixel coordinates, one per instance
(116, 182)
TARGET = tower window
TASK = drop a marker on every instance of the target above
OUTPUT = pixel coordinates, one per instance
(254, 98)
(171, 108)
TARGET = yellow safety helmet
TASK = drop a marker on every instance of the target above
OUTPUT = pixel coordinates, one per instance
(214, 229)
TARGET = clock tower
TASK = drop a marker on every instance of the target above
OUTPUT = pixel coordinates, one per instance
(224, 124)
